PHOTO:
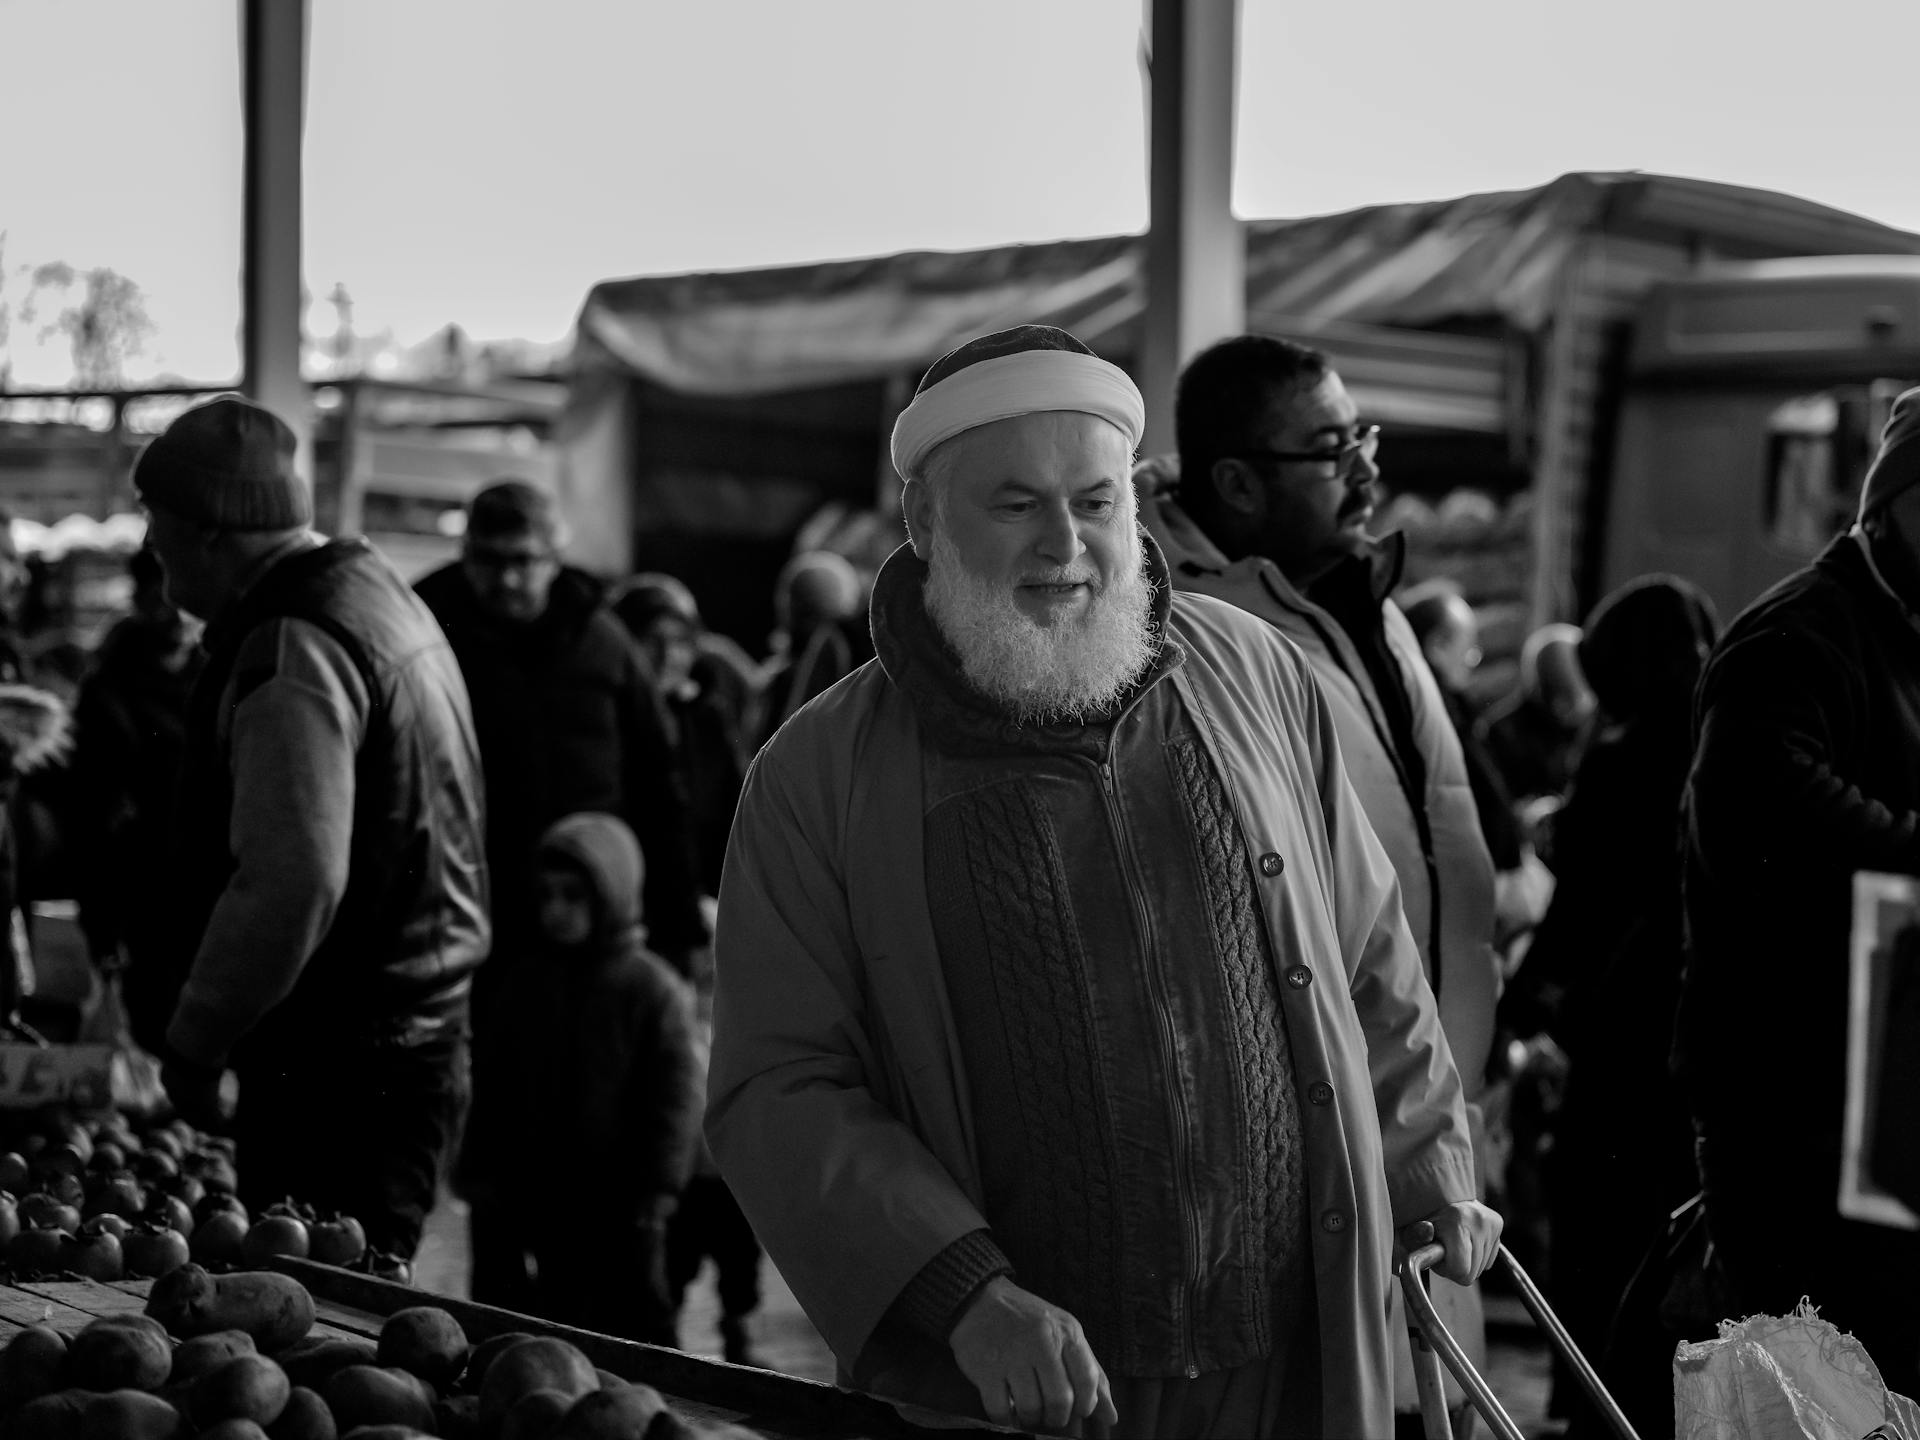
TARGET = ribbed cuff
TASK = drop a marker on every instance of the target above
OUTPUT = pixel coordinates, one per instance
(934, 1299)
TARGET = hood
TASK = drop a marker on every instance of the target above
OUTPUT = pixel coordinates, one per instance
(605, 850)
(1644, 645)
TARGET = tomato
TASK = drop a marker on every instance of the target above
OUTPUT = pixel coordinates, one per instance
(275, 1235)
(107, 1157)
(337, 1240)
(40, 1208)
(14, 1172)
(95, 1252)
(64, 1187)
(37, 1248)
(117, 1194)
(152, 1249)
(9, 1218)
(116, 1225)
(219, 1239)
(215, 1201)
(154, 1166)
(186, 1187)
(170, 1210)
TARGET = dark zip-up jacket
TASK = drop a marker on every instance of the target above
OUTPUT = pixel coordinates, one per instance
(569, 721)
(1806, 771)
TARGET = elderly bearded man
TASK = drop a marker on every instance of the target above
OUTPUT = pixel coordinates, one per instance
(1071, 1053)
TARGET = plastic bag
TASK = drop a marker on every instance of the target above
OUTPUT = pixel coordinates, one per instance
(1789, 1378)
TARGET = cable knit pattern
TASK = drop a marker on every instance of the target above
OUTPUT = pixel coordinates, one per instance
(1276, 1183)
(1037, 970)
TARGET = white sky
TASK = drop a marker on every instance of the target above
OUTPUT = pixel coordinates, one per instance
(487, 161)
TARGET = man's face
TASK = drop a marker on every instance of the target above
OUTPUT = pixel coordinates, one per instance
(669, 647)
(1312, 513)
(511, 575)
(183, 549)
(1035, 572)
(1037, 505)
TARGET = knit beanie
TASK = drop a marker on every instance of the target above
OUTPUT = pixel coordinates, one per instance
(227, 463)
(1897, 466)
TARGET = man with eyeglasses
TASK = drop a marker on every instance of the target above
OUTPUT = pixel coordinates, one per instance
(1268, 508)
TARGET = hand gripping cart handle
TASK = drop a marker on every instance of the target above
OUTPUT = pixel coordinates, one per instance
(1432, 1344)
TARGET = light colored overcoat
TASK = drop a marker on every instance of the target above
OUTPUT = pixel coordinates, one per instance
(1446, 875)
(838, 1108)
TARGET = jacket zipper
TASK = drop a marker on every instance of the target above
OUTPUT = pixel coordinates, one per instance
(1183, 1136)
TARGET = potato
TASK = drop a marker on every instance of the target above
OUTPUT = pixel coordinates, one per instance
(274, 1309)
(194, 1358)
(457, 1417)
(425, 1341)
(485, 1353)
(51, 1417)
(538, 1363)
(621, 1414)
(535, 1416)
(129, 1415)
(233, 1430)
(318, 1358)
(32, 1364)
(247, 1387)
(305, 1418)
(372, 1395)
(120, 1352)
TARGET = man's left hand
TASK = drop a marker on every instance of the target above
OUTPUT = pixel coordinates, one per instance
(1469, 1232)
(195, 1093)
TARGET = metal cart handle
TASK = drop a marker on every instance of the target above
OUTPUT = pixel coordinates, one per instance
(1432, 1343)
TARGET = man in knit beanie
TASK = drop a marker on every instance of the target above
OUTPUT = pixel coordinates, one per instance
(1807, 772)
(1072, 1057)
(331, 883)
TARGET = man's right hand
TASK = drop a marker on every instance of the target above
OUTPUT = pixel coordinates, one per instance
(1030, 1361)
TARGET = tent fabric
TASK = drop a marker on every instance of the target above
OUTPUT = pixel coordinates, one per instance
(1474, 260)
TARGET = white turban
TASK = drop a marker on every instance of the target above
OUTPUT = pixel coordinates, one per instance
(1015, 372)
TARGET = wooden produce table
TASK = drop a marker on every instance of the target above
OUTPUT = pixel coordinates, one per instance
(354, 1306)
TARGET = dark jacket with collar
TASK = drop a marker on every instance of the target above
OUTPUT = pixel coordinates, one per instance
(1806, 771)
(569, 720)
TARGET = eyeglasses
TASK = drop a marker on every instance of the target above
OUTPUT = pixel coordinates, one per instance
(1342, 457)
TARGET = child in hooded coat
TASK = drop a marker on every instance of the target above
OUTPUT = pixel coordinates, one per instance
(586, 1123)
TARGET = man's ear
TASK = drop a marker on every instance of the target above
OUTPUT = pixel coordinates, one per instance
(917, 505)
(1236, 488)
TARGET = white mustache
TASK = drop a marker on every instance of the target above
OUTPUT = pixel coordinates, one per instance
(1067, 577)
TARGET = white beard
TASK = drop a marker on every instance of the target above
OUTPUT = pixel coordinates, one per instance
(1044, 674)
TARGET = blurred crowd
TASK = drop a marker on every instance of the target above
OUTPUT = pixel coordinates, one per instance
(1583, 862)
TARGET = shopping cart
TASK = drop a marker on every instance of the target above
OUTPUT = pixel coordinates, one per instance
(1432, 1344)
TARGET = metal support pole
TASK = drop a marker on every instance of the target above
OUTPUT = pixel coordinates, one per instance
(1196, 250)
(273, 47)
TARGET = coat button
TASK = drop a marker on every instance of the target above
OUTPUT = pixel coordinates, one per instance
(1333, 1222)
(1271, 864)
(1320, 1093)
(1299, 977)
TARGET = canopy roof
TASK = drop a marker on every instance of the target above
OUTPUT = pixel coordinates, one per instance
(1478, 261)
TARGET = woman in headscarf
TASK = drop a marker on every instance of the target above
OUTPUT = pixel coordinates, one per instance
(1603, 974)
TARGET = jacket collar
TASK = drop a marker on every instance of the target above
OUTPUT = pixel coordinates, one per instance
(1191, 552)
(918, 660)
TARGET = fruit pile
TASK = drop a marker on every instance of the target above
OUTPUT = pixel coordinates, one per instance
(104, 1202)
(230, 1357)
